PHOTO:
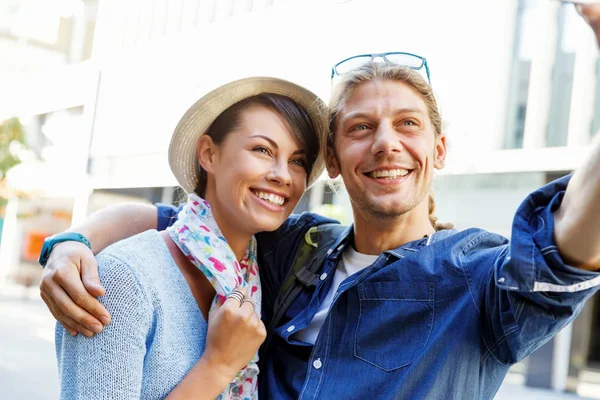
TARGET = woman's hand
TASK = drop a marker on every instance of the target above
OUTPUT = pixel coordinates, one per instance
(234, 335)
(69, 283)
(235, 332)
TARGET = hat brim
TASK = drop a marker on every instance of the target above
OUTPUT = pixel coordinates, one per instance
(183, 157)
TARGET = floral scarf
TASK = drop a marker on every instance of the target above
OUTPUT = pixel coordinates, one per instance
(200, 239)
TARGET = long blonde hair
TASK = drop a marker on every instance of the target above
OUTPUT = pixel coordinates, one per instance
(345, 85)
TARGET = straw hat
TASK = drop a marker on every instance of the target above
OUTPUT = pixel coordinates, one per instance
(183, 157)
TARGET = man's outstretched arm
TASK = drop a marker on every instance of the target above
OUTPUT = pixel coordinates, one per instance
(540, 281)
(70, 280)
(577, 220)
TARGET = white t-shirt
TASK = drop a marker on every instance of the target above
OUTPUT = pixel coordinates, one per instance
(351, 263)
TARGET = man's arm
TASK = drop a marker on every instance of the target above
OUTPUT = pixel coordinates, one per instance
(71, 300)
(111, 224)
(541, 280)
(577, 220)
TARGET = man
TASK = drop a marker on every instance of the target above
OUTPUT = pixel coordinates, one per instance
(399, 310)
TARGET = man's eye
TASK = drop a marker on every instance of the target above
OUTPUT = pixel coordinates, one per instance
(360, 127)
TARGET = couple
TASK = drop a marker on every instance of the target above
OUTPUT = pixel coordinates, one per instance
(394, 309)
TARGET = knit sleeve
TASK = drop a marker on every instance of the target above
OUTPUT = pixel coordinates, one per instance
(110, 364)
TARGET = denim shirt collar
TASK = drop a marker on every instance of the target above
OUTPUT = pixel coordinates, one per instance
(399, 252)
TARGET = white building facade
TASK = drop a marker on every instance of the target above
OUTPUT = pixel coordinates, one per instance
(518, 83)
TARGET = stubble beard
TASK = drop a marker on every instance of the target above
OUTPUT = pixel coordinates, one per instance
(369, 206)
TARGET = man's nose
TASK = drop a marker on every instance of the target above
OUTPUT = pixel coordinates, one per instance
(386, 140)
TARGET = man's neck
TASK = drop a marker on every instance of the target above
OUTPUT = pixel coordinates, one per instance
(374, 236)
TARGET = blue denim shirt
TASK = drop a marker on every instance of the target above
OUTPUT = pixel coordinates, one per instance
(439, 318)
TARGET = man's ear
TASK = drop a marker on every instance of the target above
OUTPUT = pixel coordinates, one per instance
(207, 153)
(440, 151)
(332, 163)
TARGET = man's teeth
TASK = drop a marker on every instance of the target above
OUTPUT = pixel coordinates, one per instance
(273, 198)
(388, 173)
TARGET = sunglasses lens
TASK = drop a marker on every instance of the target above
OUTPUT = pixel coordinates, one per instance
(405, 59)
(402, 59)
(351, 64)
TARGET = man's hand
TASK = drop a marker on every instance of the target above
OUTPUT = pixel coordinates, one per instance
(70, 280)
(70, 300)
(591, 14)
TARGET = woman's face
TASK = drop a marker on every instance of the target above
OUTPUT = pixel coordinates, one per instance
(257, 175)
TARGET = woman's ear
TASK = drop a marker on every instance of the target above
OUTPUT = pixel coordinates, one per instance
(207, 153)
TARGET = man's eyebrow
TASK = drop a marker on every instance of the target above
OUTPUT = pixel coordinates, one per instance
(356, 114)
(362, 114)
(274, 144)
(408, 110)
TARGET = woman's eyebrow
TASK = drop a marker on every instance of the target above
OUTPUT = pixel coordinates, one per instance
(268, 139)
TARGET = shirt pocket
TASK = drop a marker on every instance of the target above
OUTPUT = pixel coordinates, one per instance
(394, 323)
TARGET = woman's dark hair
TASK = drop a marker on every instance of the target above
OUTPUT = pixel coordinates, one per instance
(297, 118)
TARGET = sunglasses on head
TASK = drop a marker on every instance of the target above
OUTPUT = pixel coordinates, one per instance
(409, 60)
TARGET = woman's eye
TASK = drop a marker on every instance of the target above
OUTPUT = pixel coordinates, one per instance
(410, 122)
(299, 162)
(262, 149)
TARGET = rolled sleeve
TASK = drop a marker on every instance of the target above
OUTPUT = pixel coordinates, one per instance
(534, 263)
(531, 294)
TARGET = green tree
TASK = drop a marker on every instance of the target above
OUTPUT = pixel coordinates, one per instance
(11, 131)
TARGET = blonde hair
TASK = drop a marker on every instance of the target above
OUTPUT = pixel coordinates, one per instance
(347, 83)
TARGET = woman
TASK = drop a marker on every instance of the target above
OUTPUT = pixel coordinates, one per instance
(185, 303)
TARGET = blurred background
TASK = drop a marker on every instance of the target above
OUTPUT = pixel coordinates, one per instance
(90, 91)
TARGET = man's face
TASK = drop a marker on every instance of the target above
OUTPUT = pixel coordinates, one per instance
(386, 149)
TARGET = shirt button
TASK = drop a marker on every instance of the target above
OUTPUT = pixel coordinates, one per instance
(291, 328)
(317, 363)
(323, 276)
(501, 280)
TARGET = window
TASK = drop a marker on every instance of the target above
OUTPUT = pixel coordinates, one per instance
(521, 70)
(562, 77)
(596, 119)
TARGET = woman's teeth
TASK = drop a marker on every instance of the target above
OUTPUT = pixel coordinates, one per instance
(270, 197)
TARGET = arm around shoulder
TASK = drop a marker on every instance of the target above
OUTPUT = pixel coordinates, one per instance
(70, 280)
(111, 224)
